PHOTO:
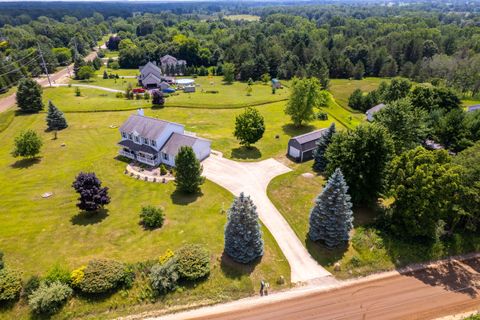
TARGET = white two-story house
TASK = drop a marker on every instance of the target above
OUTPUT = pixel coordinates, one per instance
(153, 141)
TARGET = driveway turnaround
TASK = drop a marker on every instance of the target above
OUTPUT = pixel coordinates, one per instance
(252, 178)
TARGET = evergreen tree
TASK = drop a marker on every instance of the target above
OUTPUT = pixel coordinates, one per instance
(243, 236)
(105, 74)
(29, 96)
(331, 219)
(319, 161)
(76, 67)
(55, 118)
(189, 171)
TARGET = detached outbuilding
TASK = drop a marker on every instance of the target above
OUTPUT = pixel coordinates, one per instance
(370, 112)
(300, 148)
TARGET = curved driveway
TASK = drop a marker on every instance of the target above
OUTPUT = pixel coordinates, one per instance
(252, 178)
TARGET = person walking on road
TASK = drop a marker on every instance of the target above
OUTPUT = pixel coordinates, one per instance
(262, 287)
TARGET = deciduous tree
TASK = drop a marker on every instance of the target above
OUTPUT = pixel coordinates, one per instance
(92, 195)
(249, 127)
(27, 144)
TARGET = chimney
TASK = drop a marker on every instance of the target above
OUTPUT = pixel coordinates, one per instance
(140, 112)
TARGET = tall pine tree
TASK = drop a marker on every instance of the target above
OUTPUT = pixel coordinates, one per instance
(55, 118)
(331, 219)
(319, 161)
(243, 237)
(29, 95)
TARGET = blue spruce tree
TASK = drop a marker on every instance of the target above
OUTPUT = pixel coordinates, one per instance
(55, 118)
(319, 161)
(243, 237)
(331, 219)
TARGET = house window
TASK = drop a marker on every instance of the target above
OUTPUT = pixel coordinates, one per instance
(136, 139)
(130, 136)
(145, 140)
(165, 156)
(124, 135)
(154, 143)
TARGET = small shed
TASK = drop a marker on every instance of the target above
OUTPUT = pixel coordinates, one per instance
(370, 112)
(300, 148)
(189, 89)
(473, 108)
(276, 83)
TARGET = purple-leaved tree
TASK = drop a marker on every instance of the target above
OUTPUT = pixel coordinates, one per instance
(92, 195)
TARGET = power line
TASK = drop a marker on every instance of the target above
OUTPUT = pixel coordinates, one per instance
(18, 69)
(23, 58)
(44, 65)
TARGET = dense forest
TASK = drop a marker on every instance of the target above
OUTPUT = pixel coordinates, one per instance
(439, 44)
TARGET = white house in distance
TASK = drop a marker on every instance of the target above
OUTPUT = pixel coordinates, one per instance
(153, 141)
(473, 108)
(370, 112)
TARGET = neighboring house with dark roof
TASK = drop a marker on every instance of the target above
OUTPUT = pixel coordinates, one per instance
(473, 108)
(370, 112)
(171, 65)
(300, 148)
(153, 141)
(150, 75)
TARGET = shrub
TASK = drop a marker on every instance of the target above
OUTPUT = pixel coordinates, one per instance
(322, 115)
(102, 276)
(2, 264)
(164, 277)
(31, 285)
(78, 93)
(152, 217)
(119, 95)
(49, 298)
(163, 170)
(10, 285)
(77, 275)
(58, 274)
(193, 262)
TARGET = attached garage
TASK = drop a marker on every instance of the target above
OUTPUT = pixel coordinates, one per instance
(300, 148)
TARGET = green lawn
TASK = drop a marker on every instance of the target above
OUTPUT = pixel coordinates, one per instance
(120, 72)
(38, 233)
(343, 88)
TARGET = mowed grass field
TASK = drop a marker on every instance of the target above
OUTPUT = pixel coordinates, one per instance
(341, 89)
(38, 233)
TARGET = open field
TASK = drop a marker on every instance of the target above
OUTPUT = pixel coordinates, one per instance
(120, 72)
(245, 17)
(343, 88)
(30, 224)
(370, 250)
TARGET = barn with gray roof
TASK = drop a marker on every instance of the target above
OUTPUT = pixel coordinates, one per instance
(300, 148)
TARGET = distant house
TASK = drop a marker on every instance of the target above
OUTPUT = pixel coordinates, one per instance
(301, 148)
(150, 75)
(276, 83)
(473, 108)
(171, 65)
(153, 141)
(370, 112)
(432, 145)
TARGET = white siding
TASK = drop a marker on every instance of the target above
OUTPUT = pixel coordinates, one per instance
(294, 152)
(202, 149)
(171, 128)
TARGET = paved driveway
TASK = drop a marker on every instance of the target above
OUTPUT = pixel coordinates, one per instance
(252, 178)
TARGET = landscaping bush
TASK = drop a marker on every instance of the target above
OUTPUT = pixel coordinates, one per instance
(10, 285)
(58, 274)
(168, 255)
(322, 115)
(49, 298)
(193, 262)
(119, 95)
(152, 217)
(164, 277)
(101, 276)
(163, 170)
(77, 275)
(31, 285)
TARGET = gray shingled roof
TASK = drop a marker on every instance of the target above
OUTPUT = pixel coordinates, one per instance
(137, 147)
(308, 140)
(176, 141)
(377, 108)
(145, 126)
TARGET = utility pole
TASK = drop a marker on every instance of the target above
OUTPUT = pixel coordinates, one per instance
(44, 64)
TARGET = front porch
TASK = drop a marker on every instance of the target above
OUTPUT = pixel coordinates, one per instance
(145, 158)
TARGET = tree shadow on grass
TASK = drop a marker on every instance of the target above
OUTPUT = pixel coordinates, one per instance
(184, 199)
(7, 305)
(85, 218)
(246, 153)
(234, 270)
(291, 130)
(324, 255)
(25, 163)
(123, 159)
